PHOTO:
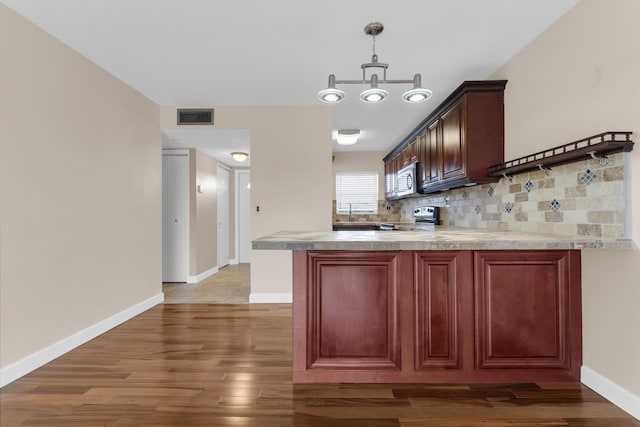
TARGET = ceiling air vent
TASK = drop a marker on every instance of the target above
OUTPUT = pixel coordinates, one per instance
(195, 116)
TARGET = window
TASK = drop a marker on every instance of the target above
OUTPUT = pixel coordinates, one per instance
(357, 192)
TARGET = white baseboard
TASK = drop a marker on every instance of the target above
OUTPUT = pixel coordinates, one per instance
(200, 277)
(270, 298)
(233, 261)
(618, 395)
(29, 363)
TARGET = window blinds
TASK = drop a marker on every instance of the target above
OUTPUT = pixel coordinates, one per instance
(358, 190)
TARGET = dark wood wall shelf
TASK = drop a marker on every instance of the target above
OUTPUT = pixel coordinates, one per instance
(597, 146)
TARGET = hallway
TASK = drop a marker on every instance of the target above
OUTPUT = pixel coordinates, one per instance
(230, 285)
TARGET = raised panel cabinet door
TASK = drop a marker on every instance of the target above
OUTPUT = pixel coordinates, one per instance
(388, 179)
(405, 156)
(437, 306)
(434, 141)
(353, 314)
(413, 150)
(452, 155)
(423, 160)
(528, 307)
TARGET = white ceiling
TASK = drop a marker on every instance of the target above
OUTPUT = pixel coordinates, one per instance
(280, 52)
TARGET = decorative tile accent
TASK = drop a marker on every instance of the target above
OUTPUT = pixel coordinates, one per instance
(508, 207)
(528, 186)
(554, 205)
(588, 177)
(478, 209)
(491, 191)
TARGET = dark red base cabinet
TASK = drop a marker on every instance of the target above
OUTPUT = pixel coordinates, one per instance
(436, 316)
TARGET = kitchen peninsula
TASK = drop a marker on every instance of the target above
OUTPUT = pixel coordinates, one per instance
(449, 305)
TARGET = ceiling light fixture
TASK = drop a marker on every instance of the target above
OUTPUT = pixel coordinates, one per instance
(239, 156)
(348, 136)
(374, 94)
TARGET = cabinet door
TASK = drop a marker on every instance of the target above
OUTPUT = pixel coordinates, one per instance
(405, 156)
(424, 160)
(353, 311)
(434, 161)
(438, 296)
(391, 178)
(389, 175)
(413, 150)
(453, 155)
(528, 309)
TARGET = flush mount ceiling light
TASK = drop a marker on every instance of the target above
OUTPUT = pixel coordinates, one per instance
(374, 94)
(348, 136)
(239, 156)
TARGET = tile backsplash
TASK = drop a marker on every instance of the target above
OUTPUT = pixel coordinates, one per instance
(388, 211)
(579, 199)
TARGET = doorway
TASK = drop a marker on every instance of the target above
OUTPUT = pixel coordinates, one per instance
(175, 216)
(223, 216)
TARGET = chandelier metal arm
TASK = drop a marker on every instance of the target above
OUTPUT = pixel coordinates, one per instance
(356, 82)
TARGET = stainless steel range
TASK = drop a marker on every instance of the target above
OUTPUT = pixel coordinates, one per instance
(426, 216)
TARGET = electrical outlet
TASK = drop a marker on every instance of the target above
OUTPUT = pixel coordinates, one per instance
(258, 209)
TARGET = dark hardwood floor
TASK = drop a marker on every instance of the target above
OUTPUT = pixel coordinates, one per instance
(230, 365)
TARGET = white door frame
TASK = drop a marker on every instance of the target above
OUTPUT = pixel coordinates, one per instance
(237, 211)
(225, 168)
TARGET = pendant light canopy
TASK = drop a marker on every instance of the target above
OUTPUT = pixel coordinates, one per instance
(374, 94)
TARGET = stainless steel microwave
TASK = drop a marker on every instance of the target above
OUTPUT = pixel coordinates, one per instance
(407, 180)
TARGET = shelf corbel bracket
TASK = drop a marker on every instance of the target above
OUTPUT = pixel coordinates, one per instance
(602, 160)
(509, 177)
(547, 171)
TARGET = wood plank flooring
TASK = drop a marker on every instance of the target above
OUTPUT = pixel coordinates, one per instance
(230, 365)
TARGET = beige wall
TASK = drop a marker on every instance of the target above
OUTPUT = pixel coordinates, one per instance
(80, 182)
(577, 79)
(362, 161)
(290, 176)
(205, 230)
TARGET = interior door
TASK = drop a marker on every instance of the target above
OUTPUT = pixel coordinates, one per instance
(175, 217)
(223, 216)
(244, 209)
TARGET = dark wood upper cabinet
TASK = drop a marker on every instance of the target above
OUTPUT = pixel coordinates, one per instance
(458, 142)
(391, 178)
(428, 169)
(453, 143)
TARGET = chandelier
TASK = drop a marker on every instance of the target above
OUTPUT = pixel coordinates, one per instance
(374, 93)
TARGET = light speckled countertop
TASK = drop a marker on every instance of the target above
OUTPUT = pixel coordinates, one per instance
(449, 238)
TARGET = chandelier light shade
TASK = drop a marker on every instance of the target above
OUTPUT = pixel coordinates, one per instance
(348, 136)
(417, 94)
(374, 93)
(331, 94)
(239, 156)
